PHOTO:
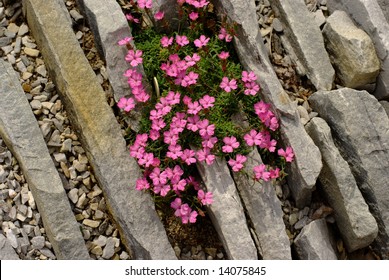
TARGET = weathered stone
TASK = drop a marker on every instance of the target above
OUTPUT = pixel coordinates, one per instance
(19, 130)
(305, 38)
(91, 223)
(313, 242)
(264, 210)
(384, 4)
(109, 249)
(6, 250)
(31, 52)
(253, 55)
(351, 51)
(38, 242)
(360, 129)
(368, 15)
(356, 224)
(227, 212)
(98, 130)
(385, 104)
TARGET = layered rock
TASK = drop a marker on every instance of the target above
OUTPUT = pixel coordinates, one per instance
(351, 51)
(356, 224)
(360, 129)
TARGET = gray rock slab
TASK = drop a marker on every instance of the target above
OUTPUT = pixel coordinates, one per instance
(264, 210)
(385, 104)
(368, 15)
(305, 38)
(98, 131)
(20, 131)
(384, 4)
(351, 51)
(360, 127)
(227, 212)
(313, 242)
(305, 169)
(356, 224)
(6, 250)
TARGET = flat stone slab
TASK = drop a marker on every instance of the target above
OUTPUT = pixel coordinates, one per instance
(98, 131)
(360, 127)
(368, 15)
(226, 212)
(6, 250)
(264, 210)
(305, 38)
(313, 242)
(252, 53)
(20, 131)
(356, 224)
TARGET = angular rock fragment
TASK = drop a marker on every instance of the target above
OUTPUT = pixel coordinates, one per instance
(351, 51)
(360, 129)
(356, 224)
(6, 250)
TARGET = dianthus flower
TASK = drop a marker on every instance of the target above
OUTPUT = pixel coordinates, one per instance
(166, 41)
(182, 40)
(228, 85)
(237, 164)
(145, 4)
(134, 57)
(159, 15)
(287, 154)
(201, 42)
(206, 198)
(127, 104)
(230, 144)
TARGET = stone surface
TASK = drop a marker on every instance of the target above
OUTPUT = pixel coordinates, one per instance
(313, 242)
(384, 4)
(360, 128)
(305, 38)
(351, 51)
(368, 15)
(6, 250)
(252, 53)
(385, 104)
(98, 131)
(227, 212)
(264, 210)
(356, 224)
(20, 132)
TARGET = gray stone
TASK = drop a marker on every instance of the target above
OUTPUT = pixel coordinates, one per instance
(264, 210)
(385, 104)
(368, 15)
(109, 249)
(277, 25)
(38, 242)
(23, 30)
(360, 129)
(19, 130)
(76, 15)
(319, 18)
(31, 52)
(99, 132)
(351, 51)
(4, 41)
(313, 242)
(306, 40)
(384, 4)
(73, 195)
(6, 250)
(356, 224)
(303, 171)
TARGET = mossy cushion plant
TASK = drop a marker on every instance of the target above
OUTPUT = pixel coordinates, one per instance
(199, 86)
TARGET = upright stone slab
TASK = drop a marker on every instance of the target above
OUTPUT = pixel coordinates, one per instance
(384, 4)
(360, 129)
(253, 55)
(305, 38)
(369, 16)
(226, 212)
(356, 224)
(264, 210)
(20, 131)
(6, 250)
(313, 242)
(99, 132)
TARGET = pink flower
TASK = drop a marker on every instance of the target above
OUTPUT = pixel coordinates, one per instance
(230, 144)
(224, 55)
(142, 184)
(173, 98)
(170, 137)
(192, 123)
(205, 155)
(125, 41)
(252, 88)
(158, 124)
(154, 134)
(134, 58)
(141, 139)
(137, 151)
(194, 108)
(287, 154)
(179, 186)
(209, 143)
(157, 177)
(201, 42)
(159, 15)
(174, 152)
(261, 173)
(193, 16)
(162, 189)
(191, 60)
(188, 156)
(147, 160)
(206, 198)
(237, 164)
(175, 204)
(206, 130)
(274, 173)
(248, 77)
(166, 41)
(228, 85)
(267, 142)
(207, 101)
(186, 100)
(182, 40)
(223, 35)
(131, 18)
(253, 138)
(186, 214)
(127, 104)
(145, 4)
(190, 79)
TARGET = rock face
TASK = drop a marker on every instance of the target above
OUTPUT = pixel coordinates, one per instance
(384, 4)
(21, 133)
(305, 38)
(368, 15)
(98, 131)
(360, 128)
(226, 212)
(6, 250)
(357, 226)
(253, 56)
(351, 51)
(264, 210)
(313, 242)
